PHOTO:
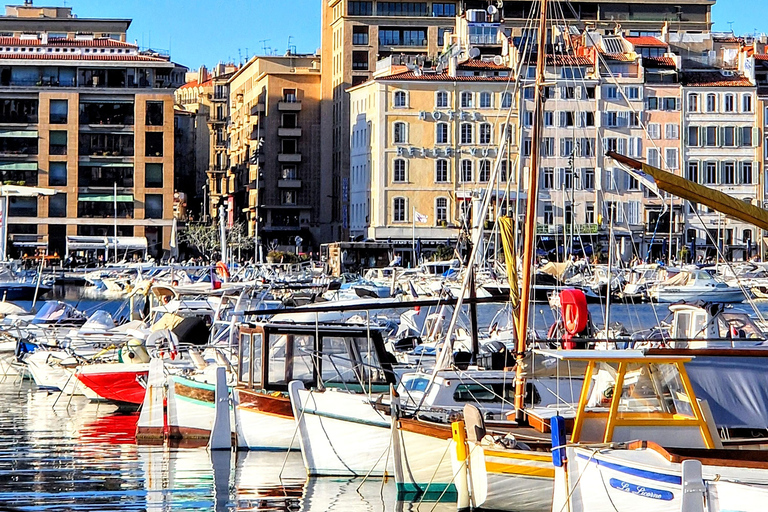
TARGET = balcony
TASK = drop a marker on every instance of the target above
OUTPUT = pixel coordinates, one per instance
(18, 143)
(289, 132)
(107, 114)
(106, 144)
(255, 185)
(289, 157)
(289, 106)
(285, 183)
(258, 109)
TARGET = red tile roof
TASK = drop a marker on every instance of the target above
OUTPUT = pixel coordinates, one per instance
(726, 39)
(188, 85)
(659, 62)
(482, 64)
(567, 60)
(761, 57)
(620, 57)
(443, 77)
(646, 41)
(714, 79)
(98, 42)
(75, 56)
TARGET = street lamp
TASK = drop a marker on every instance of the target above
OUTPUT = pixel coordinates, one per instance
(205, 202)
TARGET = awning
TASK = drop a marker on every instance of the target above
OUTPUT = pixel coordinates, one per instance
(22, 191)
(128, 242)
(106, 198)
(25, 134)
(18, 166)
(104, 164)
(78, 243)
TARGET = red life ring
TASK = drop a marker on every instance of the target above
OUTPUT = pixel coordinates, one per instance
(222, 270)
(574, 310)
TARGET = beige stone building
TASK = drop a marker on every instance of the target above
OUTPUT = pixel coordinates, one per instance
(80, 111)
(274, 135)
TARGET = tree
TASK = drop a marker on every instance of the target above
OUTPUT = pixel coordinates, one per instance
(203, 237)
(238, 239)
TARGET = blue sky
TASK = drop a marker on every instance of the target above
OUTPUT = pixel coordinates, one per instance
(208, 31)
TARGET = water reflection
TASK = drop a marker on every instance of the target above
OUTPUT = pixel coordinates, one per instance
(58, 454)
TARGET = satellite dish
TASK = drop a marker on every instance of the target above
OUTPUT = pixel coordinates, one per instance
(497, 60)
(492, 9)
(474, 53)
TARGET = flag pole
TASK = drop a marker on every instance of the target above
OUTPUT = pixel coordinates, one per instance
(413, 234)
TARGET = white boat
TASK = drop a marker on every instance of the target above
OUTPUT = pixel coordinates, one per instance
(694, 285)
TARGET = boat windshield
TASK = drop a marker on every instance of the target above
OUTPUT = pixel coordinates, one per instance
(53, 312)
(648, 388)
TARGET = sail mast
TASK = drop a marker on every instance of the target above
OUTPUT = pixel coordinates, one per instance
(530, 214)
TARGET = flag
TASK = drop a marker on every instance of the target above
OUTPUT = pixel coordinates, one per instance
(215, 280)
(645, 179)
(419, 217)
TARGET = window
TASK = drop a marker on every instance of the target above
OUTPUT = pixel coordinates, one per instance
(58, 142)
(398, 171)
(288, 146)
(399, 133)
(441, 33)
(528, 93)
(527, 146)
(588, 178)
(401, 9)
(59, 111)
(486, 100)
(394, 36)
(693, 102)
(692, 172)
(729, 136)
(401, 100)
(632, 182)
(567, 175)
(549, 118)
(153, 175)
(548, 146)
(466, 171)
(632, 93)
(746, 136)
(57, 205)
(485, 171)
(357, 8)
(154, 144)
(746, 103)
(670, 103)
(289, 96)
(466, 133)
(360, 61)
(710, 177)
(728, 103)
(548, 178)
(288, 197)
(589, 213)
(441, 100)
(360, 35)
(566, 146)
(153, 206)
(653, 157)
(503, 171)
(590, 92)
(57, 174)
(745, 173)
(586, 119)
(485, 133)
(441, 133)
(586, 147)
(441, 210)
(670, 156)
(154, 113)
(441, 171)
(398, 209)
(711, 102)
(549, 215)
(610, 144)
(654, 131)
(466, 99)
(506, 100)
(443, 10)
(566, 119)
(693, 136)
(568, 92)
(671, 131)
(653, 103)
(729, 173)
(710, 136)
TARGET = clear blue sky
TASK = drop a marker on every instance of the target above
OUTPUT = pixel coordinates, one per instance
(208, 31)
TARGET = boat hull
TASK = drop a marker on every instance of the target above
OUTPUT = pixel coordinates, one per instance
(264, 422)
(116, 382)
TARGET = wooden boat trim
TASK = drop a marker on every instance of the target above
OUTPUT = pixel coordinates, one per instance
(261, 403)
(755, 459)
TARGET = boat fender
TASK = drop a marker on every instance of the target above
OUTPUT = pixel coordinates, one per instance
(557, 423)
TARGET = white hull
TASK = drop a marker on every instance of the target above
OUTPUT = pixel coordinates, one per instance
(677, 294)
(642, 480)
(190, 418)
(425, 466)
(341, 434)
(263, 431)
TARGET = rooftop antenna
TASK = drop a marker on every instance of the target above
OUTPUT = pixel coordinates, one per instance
(288, 50)
(239, 56)
(730, 25)
(264, 45)
(246, 54)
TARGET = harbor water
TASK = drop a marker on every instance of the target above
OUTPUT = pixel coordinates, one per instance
(65, 453)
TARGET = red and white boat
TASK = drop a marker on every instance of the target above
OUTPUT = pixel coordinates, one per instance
(122, 383)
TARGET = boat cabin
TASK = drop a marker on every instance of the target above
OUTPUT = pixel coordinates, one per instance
(349, 357)
(629, 395)
(711, 325)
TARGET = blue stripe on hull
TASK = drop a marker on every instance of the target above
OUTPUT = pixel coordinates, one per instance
(641, 473)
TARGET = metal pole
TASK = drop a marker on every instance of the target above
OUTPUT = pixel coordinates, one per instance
(223, 234)
(115, 189)
(413, 235)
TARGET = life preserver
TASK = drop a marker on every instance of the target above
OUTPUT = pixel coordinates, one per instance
(222, 270)
(574, 311)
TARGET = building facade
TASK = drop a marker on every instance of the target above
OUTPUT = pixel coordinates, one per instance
(83, 111)
(275, 138)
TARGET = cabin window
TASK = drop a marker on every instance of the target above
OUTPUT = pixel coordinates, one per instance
(291, 358)
(249, 361)
(350, 360)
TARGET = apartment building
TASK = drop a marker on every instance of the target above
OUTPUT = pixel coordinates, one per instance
(206, 96)
(274, 134)
(721, 151)
(83, 111)
(356, 34)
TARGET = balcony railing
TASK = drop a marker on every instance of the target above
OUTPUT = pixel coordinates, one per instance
(289, 106)
(289, 157)
(289, 132)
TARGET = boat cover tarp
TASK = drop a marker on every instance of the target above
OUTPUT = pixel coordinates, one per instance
(736, 389)
(556, 270)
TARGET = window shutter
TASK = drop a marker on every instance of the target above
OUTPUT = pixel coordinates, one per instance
(621, 146)
(619, 212)
(639, 146)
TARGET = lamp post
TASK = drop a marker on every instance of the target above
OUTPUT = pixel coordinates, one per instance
(205, 202)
